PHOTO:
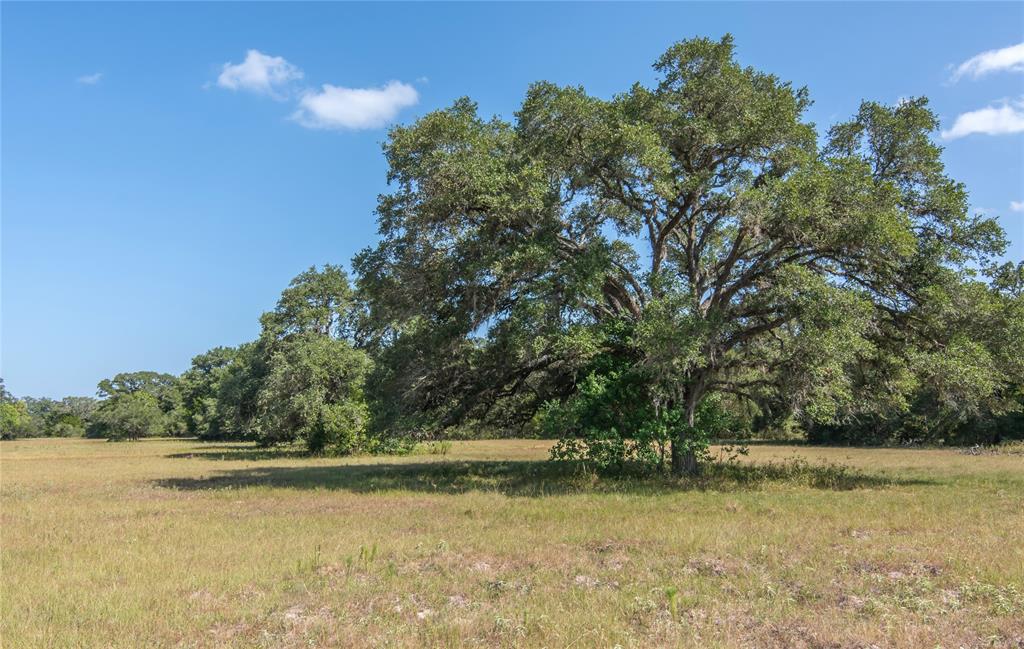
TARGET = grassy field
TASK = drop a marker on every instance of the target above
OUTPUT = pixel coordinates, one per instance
(183, 544)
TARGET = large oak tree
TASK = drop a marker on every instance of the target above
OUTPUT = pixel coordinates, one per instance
(727, 246)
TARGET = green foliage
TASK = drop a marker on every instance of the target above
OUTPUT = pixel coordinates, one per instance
(615, 420)
(963, 383)
(606, 425)
(159, 385)
(208, 398)
(313, 392)
(609, 422)
(237, 390)
(66, 425)
(301, 380)
(309, 378)
(747, 260)
(130, 415)
(31, 417)
(316, 301)
(137, 404)
(13, 418)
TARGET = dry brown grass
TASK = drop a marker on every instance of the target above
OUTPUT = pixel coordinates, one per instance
(182, 544)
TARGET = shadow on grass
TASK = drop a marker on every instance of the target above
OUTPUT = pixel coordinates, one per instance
(533, 478)
(242, 452)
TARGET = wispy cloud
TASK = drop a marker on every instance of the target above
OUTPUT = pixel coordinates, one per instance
(1017, 206)
(90, 79)
(1001, 119)
(259, 73)
(335, 107)
(1009, 59)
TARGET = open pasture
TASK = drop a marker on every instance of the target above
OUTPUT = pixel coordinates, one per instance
(171, 543)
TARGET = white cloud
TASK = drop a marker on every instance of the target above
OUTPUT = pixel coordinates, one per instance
(354, 108)
(90, 79)
(259, 73)
(1002, 119)
(1010, 59)
(1017, 206)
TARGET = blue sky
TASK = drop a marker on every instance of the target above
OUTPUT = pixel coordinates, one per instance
(160, 185)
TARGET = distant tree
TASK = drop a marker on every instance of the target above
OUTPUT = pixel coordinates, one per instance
(314, 393)
(238, 388)
(128, 402)
(13, 418)
(41, 411)
(154, 383)
(961, 382)
(80, 407)
(696, 232)
(316, 301)
(67, 417)
(200, 388)
(32, 417)
(311, 382)
(13, 414)
(129, 415)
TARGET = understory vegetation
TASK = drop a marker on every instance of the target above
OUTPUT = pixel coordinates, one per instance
(637, 277)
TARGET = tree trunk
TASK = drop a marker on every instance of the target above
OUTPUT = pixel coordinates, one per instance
(684, 461)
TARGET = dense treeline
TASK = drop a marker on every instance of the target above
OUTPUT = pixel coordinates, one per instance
(29, 417)
(634, 276)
